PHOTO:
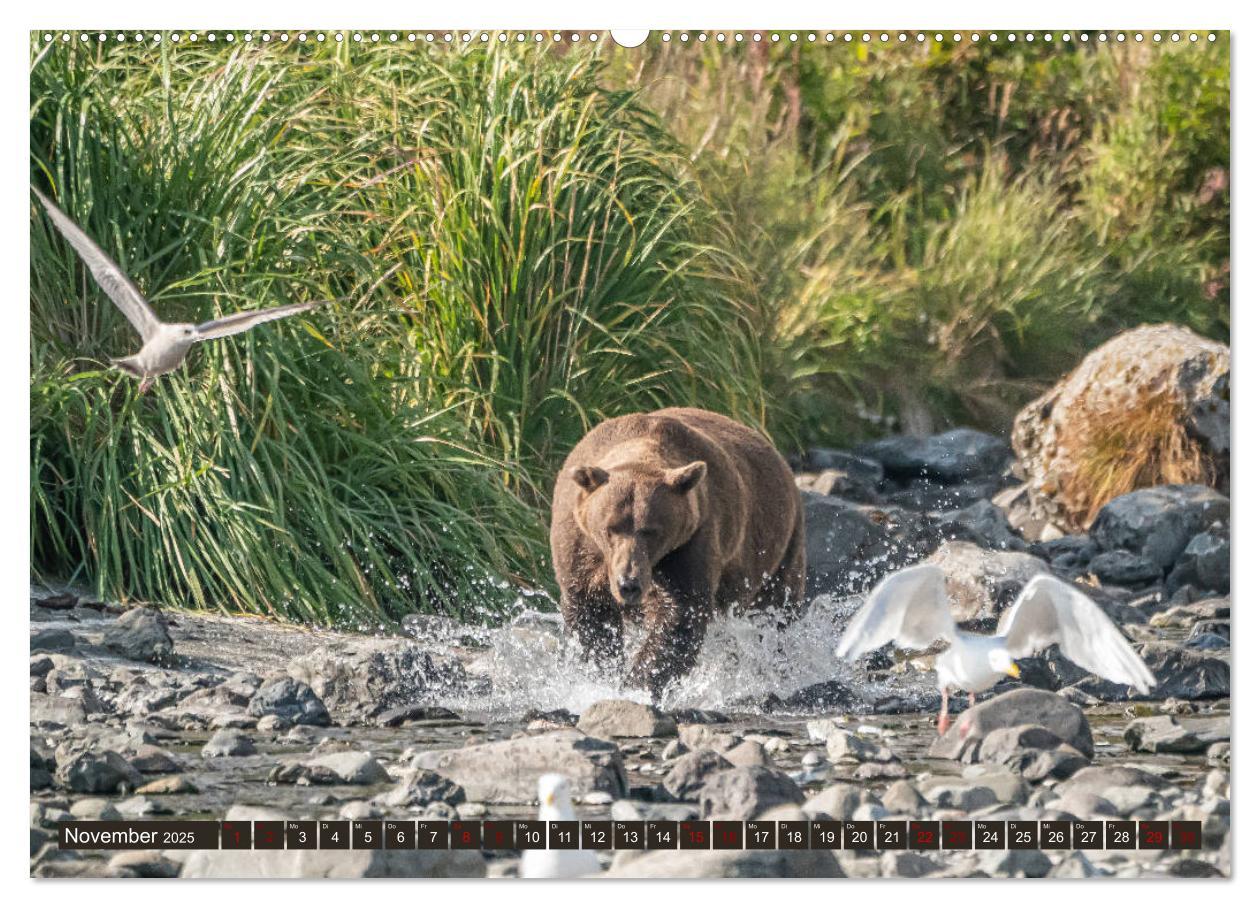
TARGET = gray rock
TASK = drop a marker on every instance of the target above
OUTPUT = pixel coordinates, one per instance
(40, 666)
(747, 753)
(1084, 805)
(1182, 673)
(140, 806)
(1100, 780)
(1023, 706)
(900, 798)
(289, 699)
(863, 468)
(1162, 734)
(229, 743)
(910, 865)
(844, 745)
(625, 719)
(744, 792)
(94, 809)
(52, 640)
(92, 772)
(840, 484)
(1075, 866)
(1125, 568)
(837, 802)
(369, 676)
(949, 457)
(1031, 864)
(422, 786)
(958, 794)
(347, 767)
(702, 737)
(506, 772)
(982, 583)
(692, 770)
(851, 547)
(983, 523)
(304, 864)
(140, 634)
(1204, 562)
(149, 760)
(415, 712)
(166, 785)
(1159, 522)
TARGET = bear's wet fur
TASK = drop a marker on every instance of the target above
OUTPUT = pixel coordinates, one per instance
(665, 518)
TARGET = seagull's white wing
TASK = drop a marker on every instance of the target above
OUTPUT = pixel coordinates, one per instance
(243, 321)
(112, 279)
(1050, 611)
(910, 607)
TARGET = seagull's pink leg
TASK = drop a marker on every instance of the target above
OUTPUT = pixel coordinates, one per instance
(971, 698)
(146, 383)
(942, 721)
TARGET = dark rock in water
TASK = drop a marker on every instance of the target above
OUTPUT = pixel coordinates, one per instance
(346, 767)
(422, 786)
(1207, 641)
(834, 694)
(1019, 707)
(291, 700)
(416, 712)
(1032, 751)
(58, 601)
(1164, 735)
(1124, 568)
(950, 457)
(745, 792)
(1204, 563)
(1076, 550)
(101, 772)
(983, 523)
(691, 772)
(140, 634)
(693, 716)
(625, 719)
(1189, 614)
(1159, 522)
(52, 640)
(851, 547)
(557, 717)
(369, 676)
(506, 772)
(1180, 672)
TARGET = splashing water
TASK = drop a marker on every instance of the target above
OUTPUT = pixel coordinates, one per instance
(531, 664)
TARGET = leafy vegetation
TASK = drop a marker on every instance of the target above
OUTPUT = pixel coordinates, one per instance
(829, 241)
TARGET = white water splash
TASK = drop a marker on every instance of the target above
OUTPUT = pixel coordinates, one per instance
(531, 664)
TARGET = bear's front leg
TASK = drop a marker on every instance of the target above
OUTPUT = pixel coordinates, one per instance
(676, 623)
(596, 621)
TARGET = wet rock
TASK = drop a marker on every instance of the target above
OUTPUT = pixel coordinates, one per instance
(744, 792)
(370, 676)
(1024, 706)
(1159, 522)
(690, 773)
(40, 666)
(958, 794)
(316, 864)
(1100, 780)
(982, 583)
(1191, 614)
(906, 865)
(1218, 754)
(229, 743)
(833, 694)
(141, 635)
(147, 864)
(702, 737)
(52, 640)
(900, 798)
(863, 468)
(348, 767)
(1204, 562)
(422, 786)
(983, 523)
(290, 699)
(140, 806)
(415, 712)
(1030, 864)
(949, 457)
(1192, 868)
(506, 772)
(1083, 805)
(844, 745)
(625, 719)
(1181, 672)
(149, 759)
(96, 772)
(1125, 568)
(1075, 866)
(837, 802)
(94, 809)
(850, 547)
(1133, 372)
(840, 484)
(1031, 750)
(1164, 734)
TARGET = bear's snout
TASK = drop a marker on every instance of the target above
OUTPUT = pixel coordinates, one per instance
(629, 589)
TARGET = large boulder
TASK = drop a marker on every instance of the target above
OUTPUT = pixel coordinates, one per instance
(744, 792)
(140, 634)
(1158, 523)
(1152, 403)
(850, 547)
(506, 772)
(289, 699)
(1022, 707)
(949, 457)
(983, 583)
(625, 719)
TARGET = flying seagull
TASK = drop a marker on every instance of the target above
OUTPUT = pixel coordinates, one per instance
(911, 607)
(555, 802)
(165, 343)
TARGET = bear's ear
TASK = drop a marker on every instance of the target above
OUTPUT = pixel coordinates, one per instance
(684, 479)
(589, 478)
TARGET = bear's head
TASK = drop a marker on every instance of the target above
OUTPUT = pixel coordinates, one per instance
(636, 514)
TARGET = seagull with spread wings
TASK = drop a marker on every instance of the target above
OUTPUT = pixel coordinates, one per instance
(911, 608)
(166, 344)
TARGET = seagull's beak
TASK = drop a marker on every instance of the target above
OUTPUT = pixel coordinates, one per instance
(1013, 671)
(550, 800)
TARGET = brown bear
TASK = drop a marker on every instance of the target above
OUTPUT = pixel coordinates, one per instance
(665, 518)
